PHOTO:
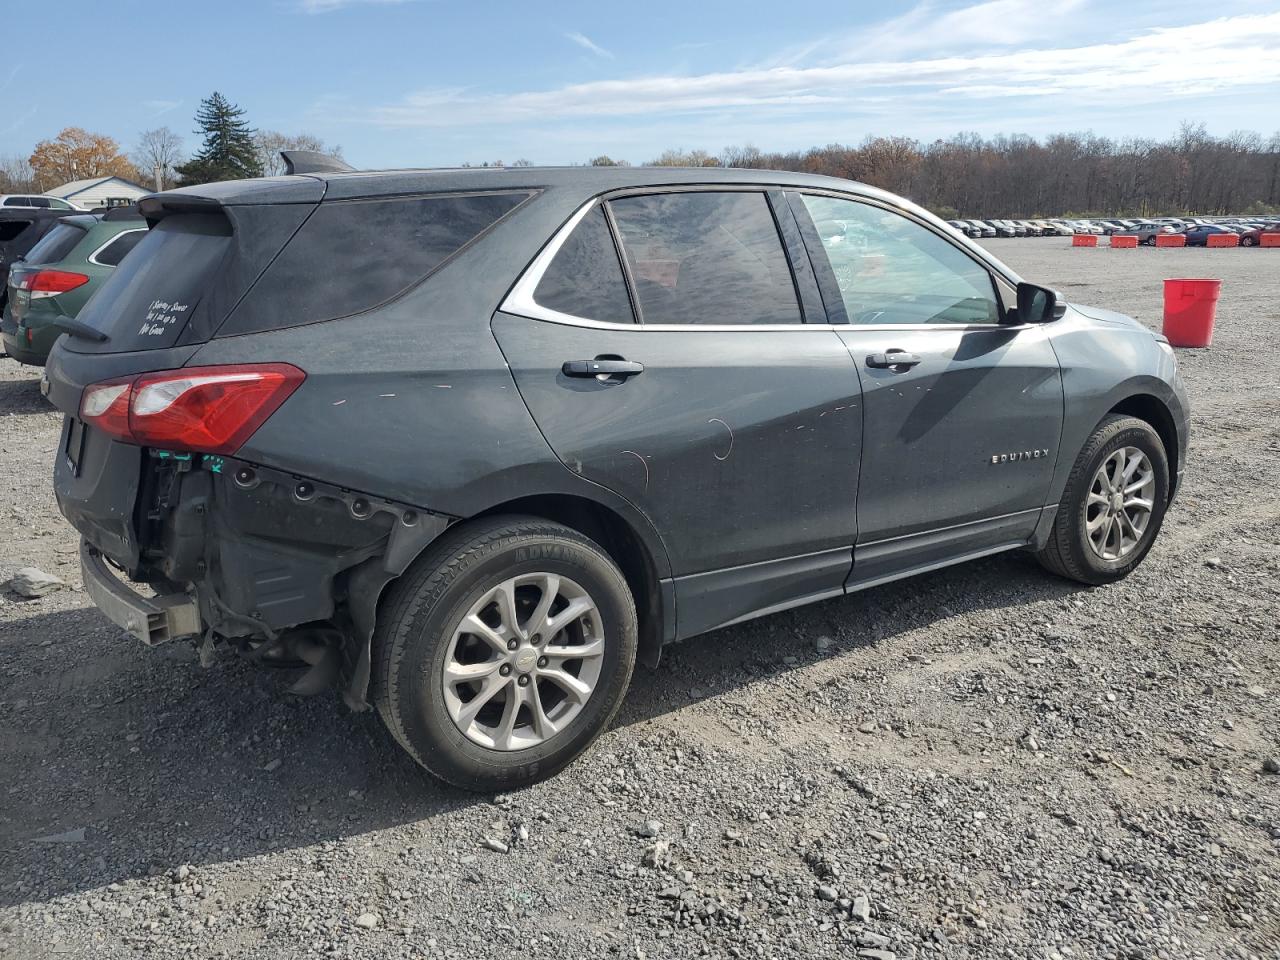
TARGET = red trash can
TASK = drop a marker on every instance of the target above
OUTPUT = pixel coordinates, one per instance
(1189, 308)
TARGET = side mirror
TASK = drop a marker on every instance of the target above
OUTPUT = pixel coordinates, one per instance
(1038, 304)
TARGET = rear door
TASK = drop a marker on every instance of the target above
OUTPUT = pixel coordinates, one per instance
(733, 425)
(962, 413)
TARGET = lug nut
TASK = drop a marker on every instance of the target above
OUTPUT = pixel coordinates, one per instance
(537, 639)
(505, 670)
(524, 680)
(542, 662)
(512, 644)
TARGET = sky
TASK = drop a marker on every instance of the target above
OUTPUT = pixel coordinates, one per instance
(402, 83)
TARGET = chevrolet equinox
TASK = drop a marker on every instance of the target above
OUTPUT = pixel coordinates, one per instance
(466, 444)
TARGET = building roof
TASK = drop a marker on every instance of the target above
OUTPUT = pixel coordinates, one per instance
(69, 190)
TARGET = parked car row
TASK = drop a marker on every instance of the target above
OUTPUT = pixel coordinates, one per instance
(51, 278)
(1197, 229)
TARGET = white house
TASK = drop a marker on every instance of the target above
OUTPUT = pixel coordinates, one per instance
(99, 192)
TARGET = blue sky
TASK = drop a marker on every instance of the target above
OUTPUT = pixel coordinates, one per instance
(428, 82)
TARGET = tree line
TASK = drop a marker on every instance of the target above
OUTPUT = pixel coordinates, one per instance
(1063, 175)
(229, 150)
(1066, 174)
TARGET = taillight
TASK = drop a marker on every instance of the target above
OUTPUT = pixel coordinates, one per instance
(201, 409)
(50, 283)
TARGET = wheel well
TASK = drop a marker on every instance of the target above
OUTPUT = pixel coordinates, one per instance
(620, 541)
(1153, 411)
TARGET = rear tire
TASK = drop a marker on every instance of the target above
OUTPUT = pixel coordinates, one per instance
(473, 607)
(1113, 504)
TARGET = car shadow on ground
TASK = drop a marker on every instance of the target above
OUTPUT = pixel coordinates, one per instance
(163, 763)
(22, 397)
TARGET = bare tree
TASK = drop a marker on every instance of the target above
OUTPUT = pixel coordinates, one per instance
(157, 153)
(268, 144)
(16, 175)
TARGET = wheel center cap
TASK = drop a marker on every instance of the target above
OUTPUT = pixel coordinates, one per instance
(1117, 501)
(525, 660)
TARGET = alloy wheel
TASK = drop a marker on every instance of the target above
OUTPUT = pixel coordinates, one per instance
(1121, 499)
(523, 662)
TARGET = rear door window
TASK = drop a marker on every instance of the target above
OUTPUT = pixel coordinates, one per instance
(353, 255)
(42, 202)
(585, 278)
(113, 252)
(706, 258)
(57, 244)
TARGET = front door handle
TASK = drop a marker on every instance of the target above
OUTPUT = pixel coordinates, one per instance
(601, 368)
(891, 359)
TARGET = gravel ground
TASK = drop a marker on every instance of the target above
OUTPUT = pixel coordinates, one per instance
(982, 762)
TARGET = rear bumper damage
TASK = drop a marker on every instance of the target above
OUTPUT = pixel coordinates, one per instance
(152, 620)
(277, 566)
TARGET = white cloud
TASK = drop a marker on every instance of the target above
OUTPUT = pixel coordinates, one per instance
(586, 43)
(1229, 53)
(329, 6)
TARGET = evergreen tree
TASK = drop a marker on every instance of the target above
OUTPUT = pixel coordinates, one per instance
(228, 152)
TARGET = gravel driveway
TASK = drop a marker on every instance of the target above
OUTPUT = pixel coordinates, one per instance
(982, 762)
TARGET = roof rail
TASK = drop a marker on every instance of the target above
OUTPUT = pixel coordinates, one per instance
(312, 161)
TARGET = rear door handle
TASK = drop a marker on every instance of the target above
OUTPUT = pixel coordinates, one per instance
(601, 368)
(892, 358)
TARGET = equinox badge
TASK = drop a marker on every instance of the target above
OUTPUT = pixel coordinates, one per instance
(1018, 455)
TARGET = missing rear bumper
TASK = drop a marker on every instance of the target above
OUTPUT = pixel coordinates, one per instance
(152, 620)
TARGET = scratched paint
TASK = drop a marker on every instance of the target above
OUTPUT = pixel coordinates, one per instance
(644, 463)
(731, 439)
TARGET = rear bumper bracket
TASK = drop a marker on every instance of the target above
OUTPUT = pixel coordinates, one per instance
(152, 620)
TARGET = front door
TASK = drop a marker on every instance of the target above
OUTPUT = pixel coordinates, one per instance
(712, 407)
(962, 412)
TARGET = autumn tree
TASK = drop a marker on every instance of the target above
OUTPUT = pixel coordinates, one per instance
(77, 154)
(228, 152)
(158, 150)
(267, 145)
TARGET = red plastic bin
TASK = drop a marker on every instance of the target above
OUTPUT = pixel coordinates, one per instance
(1084, 240)
(1223, 240)
(1190, 306)
(1269, 240)
(1123, 241)
(1170, 240)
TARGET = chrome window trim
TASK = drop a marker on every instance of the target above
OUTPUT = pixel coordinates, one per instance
(520, 302)
(93, 257)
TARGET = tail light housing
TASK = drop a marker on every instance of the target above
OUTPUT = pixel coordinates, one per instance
(196, 409)
(50, 283)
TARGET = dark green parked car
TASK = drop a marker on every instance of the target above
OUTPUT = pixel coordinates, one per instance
(58, 276)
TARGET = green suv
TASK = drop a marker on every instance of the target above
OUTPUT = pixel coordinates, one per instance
(59, 274)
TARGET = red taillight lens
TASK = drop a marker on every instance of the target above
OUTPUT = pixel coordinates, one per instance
(49, 283)
(201, 409)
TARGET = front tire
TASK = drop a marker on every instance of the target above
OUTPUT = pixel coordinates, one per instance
(1113, 505)
(504, 652)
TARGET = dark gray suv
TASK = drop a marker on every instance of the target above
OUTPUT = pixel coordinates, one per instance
(468, 443)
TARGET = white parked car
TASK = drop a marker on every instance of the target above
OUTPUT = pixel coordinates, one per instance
(38, 200)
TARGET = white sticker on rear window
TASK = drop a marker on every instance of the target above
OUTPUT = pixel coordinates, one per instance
(161, 315)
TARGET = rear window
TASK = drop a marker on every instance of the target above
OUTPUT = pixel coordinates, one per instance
(352, 255)
(150, 297)
(57, 244)
(113, 252)
(11, 228)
